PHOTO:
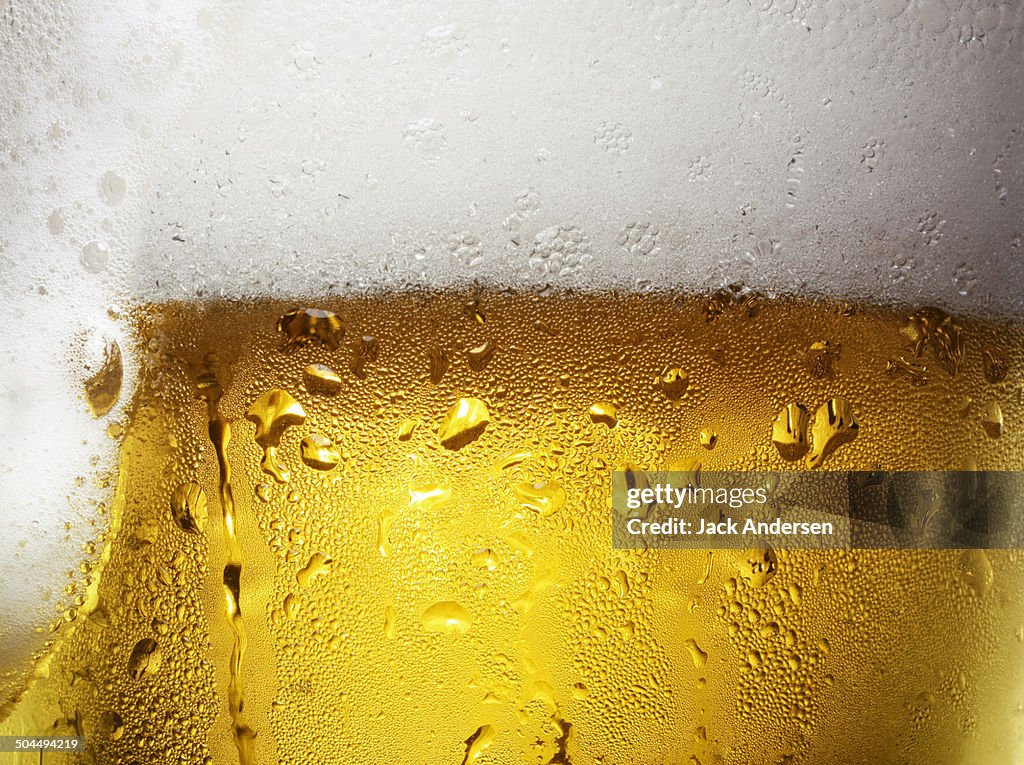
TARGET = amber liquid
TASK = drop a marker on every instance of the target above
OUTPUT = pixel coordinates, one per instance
(403, 555)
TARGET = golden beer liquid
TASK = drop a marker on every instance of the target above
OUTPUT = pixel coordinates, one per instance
(379, 531)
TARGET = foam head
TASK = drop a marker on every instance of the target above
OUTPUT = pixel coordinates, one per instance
(198, 149)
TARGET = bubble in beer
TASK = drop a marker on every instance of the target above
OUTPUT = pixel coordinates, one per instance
(95, 256)
(112, 187)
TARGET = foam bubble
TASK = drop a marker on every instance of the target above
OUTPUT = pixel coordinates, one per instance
(198, 149)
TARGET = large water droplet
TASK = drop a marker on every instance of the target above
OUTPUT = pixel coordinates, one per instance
(272, 413)
(319, 453)
(834, 425)
(322, 379)
(103, 388)
(543, 498)
(463, 423)
(789, 432)
(992, 420)
(605, 413)
(446, 617)
(189, 507)
(304, 326)
(145, 658)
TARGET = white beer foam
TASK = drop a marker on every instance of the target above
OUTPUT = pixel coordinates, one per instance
(296, 149)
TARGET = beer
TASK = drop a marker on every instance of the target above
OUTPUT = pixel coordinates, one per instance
(376, 529)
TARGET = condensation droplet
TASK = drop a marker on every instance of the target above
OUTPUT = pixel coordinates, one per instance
(697, 654)
(485, 558)
(822, 356)
(189, 507)
(480, 356)
(446, 617)
(406, 428)
(834, 425)
(112, 724)
(145, 659)
(543, 498)
(429, 496)
(482, 738)
(304, 326)
(318, 452)
(463, 423)
(934, 15)
(55, 222)
(272, 413)
(322, 379)
(913, 371)
(758, 565)
(995, 365)
(992, 420)
(104, 388)
(673, 382)
(604, 413)
(975, 569)
(708, 438)
(438, 361)
(789, 432)
(318, 565)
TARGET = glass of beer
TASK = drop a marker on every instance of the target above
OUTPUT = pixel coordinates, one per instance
(327, 330)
